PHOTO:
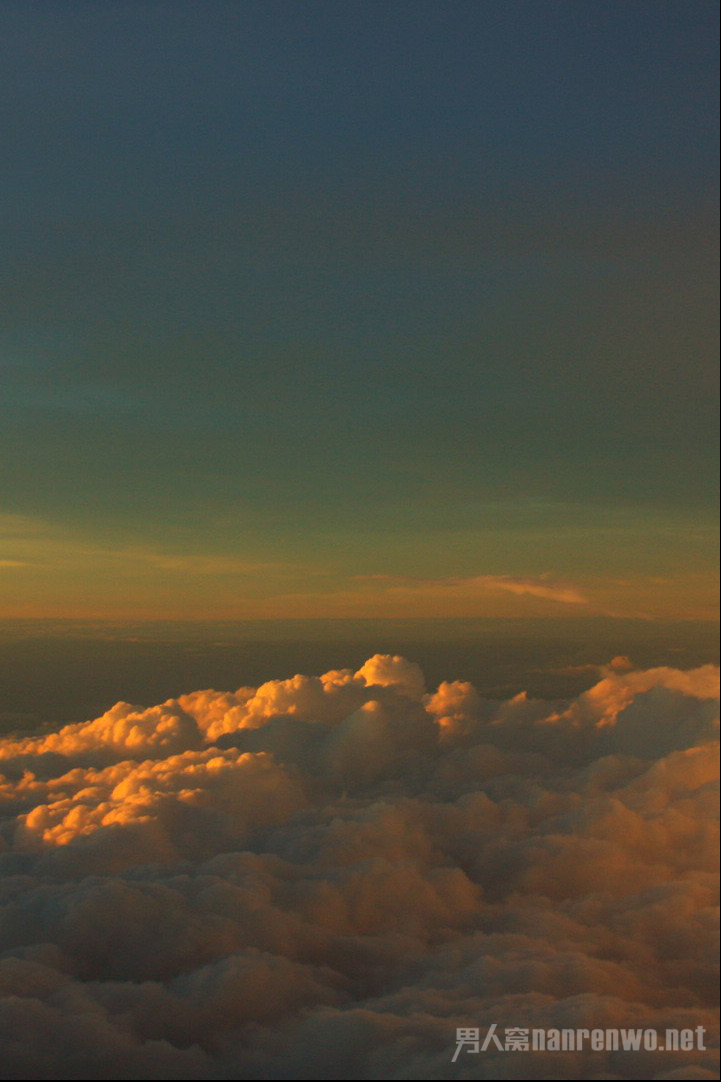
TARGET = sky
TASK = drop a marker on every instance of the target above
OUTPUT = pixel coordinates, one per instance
(362, 309)
(358, 371)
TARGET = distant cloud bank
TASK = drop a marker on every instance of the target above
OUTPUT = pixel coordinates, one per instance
(324, 876)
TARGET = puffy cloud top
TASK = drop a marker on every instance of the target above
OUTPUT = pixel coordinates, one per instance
(325, 876)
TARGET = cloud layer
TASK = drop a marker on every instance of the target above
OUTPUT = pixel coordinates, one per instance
(325, 876)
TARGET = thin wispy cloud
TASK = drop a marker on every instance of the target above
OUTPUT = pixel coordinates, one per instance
(543, 586)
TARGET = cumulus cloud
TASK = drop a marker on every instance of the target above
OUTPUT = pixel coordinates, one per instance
(324, 876)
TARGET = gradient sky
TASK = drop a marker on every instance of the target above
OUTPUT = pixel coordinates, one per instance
(358, 308)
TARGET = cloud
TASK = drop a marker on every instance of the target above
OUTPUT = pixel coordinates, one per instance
(325, 875)
(542, 586)
(568, 595)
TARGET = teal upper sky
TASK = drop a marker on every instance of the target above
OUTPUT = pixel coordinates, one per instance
(280, 277)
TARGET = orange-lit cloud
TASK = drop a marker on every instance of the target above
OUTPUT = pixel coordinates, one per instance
(543, 586)
(324, 876)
